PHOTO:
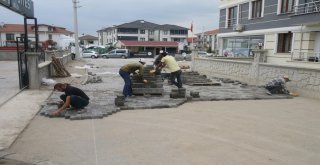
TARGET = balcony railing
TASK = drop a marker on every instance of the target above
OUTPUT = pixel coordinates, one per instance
(305, 56)
(231, 22)
(306, 8)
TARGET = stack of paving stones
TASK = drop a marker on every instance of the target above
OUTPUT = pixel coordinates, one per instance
(195, 94)
(93, 78)
(195, 79)
(178, 93)
(153, 87)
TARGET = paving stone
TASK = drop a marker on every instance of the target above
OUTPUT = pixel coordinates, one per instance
(103, 95)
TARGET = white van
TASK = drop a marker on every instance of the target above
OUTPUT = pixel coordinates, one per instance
(117, 53)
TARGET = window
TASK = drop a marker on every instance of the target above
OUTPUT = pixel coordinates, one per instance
(284, 42)
(165, 32)
(142, 32)
(287, 6)
(10, 37)
(142, 39)
(151, 32)
(164, 39)
(120, 51)
(232, 16)
(50, 36)
(240, 46)
(256, 11)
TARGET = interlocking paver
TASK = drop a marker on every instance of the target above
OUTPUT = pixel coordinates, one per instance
(102, 95)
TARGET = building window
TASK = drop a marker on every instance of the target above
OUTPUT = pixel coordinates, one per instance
(142, 32)
(142, 39)
(10, 37)
(178, 32)
(50, 36)
(164, 39)
(287, 6)
(151, 32)
(165, 32)
(256, 10)
(240, 46)
(284, 42)
(232, 16)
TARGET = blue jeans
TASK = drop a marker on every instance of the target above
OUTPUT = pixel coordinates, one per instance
(127, 89)
(173, 76)
(76, 101)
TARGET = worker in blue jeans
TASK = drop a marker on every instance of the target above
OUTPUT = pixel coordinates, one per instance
(125, 72)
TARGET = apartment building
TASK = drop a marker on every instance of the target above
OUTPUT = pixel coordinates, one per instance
(10, 32)
(288, 29)
(141, 30)
(207, 40)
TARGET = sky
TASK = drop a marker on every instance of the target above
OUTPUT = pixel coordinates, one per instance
(94, 15)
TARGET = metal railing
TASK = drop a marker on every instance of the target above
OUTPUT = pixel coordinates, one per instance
(232, 22)
(306, 8)
(305, 56)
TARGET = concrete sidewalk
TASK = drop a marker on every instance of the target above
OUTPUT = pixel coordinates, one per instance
(250, 132)
(16, 114)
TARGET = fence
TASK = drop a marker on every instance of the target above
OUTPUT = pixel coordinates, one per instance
(305, 81)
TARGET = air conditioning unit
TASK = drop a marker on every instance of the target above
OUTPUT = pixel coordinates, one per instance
(238, 27)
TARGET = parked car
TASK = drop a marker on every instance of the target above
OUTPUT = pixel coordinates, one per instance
(117, 53)
(90, 54)
(204, 54)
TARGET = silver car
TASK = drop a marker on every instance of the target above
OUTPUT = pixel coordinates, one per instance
(90, 54)
(117, 53)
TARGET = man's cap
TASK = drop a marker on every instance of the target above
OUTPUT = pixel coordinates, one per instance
(286, 77)
(143, 60)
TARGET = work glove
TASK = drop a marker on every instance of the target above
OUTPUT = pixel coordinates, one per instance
(152, 71)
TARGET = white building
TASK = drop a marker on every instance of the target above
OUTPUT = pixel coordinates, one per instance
(10, 32)
(141, 30)
(288, 29)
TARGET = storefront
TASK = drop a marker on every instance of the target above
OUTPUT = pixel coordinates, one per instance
(240, 46)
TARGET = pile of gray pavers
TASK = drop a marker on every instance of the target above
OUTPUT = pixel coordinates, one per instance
(195, 79)
(153, 87)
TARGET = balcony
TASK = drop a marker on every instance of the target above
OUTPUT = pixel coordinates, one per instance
(231, 22)
(307, 8)
(305, 56)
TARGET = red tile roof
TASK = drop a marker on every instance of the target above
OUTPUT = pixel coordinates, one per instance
(149, 43)
(210, 32)
(189, 40)
(7, 28)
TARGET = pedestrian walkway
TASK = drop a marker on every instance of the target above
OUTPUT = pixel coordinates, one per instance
(16, 113)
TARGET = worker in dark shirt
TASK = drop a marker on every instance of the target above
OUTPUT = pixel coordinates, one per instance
(277, 86)
(125, 72)
(73, 96)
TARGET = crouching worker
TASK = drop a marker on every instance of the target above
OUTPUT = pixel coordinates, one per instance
(73, 96)
(125, 72)
(278, 86)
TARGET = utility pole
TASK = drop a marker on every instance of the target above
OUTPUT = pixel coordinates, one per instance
(75, 21)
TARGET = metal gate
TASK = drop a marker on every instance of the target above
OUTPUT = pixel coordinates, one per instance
(22, 64)
(23, 46)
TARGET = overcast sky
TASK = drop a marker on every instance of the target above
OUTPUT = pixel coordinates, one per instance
(94, 15)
